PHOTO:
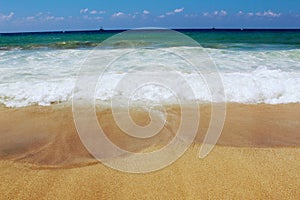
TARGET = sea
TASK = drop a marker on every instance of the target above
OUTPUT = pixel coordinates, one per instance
(255, 66)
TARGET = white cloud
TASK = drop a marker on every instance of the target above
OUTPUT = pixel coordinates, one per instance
(59, 18)
(206, 14)
(169, 13)
(216, 13)
(30, 18)
(6, 17)
(259, 14)
(44, 17)
(10, 15)
(222, 13)
(50, 17)
(146, 12)
(240, 13)
(118, 14)
(101, 12)
(94, 12)
(53, 18)
(84, 10)
(191, 15)
(268, 13)
(178, 10)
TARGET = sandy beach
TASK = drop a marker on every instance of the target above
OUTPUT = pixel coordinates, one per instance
(257, 156)
(150, 100)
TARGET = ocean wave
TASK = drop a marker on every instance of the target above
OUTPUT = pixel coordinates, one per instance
(259, 86)
(47, 77)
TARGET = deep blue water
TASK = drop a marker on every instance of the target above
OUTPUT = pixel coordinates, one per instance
(211, 38)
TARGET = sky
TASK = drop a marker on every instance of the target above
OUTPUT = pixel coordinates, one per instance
(50, 15)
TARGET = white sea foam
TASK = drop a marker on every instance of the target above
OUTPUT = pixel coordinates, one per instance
(48, 76)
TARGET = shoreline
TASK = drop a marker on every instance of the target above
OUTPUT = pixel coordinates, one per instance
(33, 134)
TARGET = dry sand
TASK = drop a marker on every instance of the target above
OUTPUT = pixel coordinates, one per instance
(257, 157)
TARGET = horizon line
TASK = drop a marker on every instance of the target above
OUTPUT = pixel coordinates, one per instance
(179, 29)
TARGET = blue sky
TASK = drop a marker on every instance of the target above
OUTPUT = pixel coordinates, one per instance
(42, 15)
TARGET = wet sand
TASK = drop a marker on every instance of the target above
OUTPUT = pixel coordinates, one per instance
(257, 156)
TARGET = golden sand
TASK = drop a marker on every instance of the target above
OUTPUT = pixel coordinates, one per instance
(257, 157)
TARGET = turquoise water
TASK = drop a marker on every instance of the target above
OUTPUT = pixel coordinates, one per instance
(218, 39)
(256, 66)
